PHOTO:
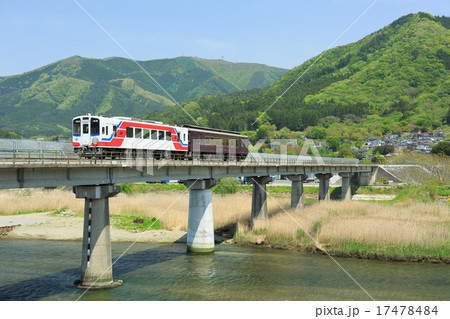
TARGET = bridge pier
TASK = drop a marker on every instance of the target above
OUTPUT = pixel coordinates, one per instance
(259, 196)
(297, 190)
(324, 186)
(200, 236)
(365, 178)
(96, 263)
(346, 191)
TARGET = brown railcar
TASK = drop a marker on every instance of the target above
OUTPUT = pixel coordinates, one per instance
(210, 143)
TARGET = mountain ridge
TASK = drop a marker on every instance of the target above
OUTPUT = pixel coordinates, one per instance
(397, 76)
(115, 86)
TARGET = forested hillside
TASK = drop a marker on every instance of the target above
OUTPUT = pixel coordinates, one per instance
(43, 101)
(392, 80)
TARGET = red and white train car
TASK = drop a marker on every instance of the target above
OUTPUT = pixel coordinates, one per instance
(111, 136)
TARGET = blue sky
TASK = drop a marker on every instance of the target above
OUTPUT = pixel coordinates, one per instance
(281, 33)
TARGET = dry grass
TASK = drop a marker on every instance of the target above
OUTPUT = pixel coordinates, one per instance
(28, 200)
(333, 223)
(417, 224)
(227, 209)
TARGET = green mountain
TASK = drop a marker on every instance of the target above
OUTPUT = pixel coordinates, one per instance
(43, 101)
(394, 79)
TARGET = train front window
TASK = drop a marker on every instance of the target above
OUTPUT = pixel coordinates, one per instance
(95, 126)
(77, 127)
(85, 128)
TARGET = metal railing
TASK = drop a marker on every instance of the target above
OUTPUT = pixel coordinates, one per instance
(44, 157)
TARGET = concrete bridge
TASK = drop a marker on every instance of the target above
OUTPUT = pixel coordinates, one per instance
(96, 181)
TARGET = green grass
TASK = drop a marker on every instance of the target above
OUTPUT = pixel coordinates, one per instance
(283, 189)
(26, 212)
(137, 188)
(125, 222)
(392, 252)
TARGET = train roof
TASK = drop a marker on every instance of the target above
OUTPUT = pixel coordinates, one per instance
(191, 127)
(200, 128)
(123, 118)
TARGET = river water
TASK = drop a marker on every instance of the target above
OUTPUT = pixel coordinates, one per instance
(46, 270)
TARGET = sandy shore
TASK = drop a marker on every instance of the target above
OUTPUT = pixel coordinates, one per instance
(51, 227)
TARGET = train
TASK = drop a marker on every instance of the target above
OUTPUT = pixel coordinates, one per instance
(116, 137)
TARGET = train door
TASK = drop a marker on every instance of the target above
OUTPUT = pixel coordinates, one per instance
(85, 137)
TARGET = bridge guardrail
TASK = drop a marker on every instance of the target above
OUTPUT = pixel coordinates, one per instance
(44, 157)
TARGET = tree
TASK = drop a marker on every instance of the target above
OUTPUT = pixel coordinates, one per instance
(283, 133)
(264, 118)
(384, 149)
(378, 158)
(359, 143)
(317, 133)
(326, 153)
(333, 142)
(261, 132)
(251, 136)
(6, 134)
(442, 148)
(346, 152)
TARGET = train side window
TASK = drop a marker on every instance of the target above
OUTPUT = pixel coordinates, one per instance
(115, 130)
(146, 133)
(85, 128)
(129, 132)
(137, 132)
(154, 134)
(103, 130)
(178, 137)
(107, 130)
(161, 135)
(168, 136)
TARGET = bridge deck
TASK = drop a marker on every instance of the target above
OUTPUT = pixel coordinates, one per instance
(46, 169)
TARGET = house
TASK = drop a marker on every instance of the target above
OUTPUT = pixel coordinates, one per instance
(374, 143)
(424, 148)
(390, 138)
(440, 133)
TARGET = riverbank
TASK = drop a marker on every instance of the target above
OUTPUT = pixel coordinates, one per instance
(397, 232)
(414, 228)
(67, 226)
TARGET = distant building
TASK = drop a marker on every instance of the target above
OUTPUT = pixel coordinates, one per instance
(374, 143)
(440, 133)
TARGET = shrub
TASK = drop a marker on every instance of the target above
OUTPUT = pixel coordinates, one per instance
(442, 148)
(226, 186)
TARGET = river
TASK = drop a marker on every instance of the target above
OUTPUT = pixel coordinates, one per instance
(46, 270)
